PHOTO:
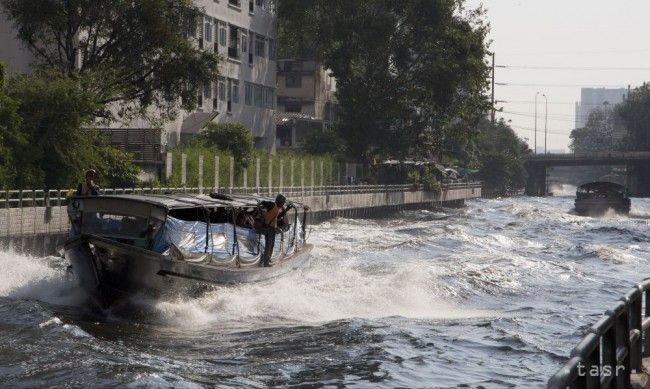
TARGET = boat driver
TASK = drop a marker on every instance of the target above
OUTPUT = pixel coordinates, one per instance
(273, 223)
(88, 187)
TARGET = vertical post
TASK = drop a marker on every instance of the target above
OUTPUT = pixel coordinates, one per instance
(200, 174)
(312, 177)
(232, 173)
(245, 179)
(216, 173)
(646, 334)
(281, 175)
(291, 177)
(184, 170)
(8, 209)
(34, 212)
(257, 175)
(338, 173)
(493, 107)
(168, 167)
(302, 177)
(22, 211)
(322, 173)
(270, 182)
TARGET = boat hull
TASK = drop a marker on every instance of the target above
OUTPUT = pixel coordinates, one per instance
(110, 270)
(601, 206)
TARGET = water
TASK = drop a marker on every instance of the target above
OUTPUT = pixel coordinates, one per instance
(492, 295)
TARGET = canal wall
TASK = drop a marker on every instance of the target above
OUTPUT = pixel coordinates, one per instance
(39, 225)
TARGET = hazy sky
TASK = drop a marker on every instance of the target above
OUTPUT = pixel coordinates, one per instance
(564, 33)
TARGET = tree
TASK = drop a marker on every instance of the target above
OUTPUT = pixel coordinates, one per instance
(596, 135)
(115, 168)
(410, 74)
(231, 137)
(132, 53)
(635, 116)
(497, 153)
(323, 141)
(11, 136)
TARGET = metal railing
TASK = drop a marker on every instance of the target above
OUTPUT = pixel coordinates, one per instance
(618, 155)
(613, 348)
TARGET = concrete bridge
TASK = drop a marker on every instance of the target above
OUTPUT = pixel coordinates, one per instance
(637, 164)
(36, 221)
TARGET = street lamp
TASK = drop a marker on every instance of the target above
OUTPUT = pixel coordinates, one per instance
(537, 94)
(545, 121)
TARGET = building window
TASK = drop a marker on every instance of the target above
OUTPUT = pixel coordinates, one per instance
(207, 90)
(235, 3)
(235, 91)
(251, 6)
(208, 32)
(293, 81)
(233, 45)
(259, 46)
(222, 34)
(269, 98)
(248, 94)
(272, 50)
(293, 107)
(259, 96)
(244, 43)
(251, 40)
(222, 89)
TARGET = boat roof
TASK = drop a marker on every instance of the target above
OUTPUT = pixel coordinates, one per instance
(601, 185)
(189, 200)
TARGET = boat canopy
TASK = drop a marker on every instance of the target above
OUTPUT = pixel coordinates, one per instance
(601, 189)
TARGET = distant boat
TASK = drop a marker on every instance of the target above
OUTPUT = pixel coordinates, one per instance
(596, 198)
(170, 244)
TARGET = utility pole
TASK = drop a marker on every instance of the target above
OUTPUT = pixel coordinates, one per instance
(537, 94)
(545, 121)
(493, 107)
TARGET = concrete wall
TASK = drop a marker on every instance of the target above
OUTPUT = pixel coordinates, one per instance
(41, 229)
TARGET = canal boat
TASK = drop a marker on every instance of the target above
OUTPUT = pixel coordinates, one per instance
(176, 243)
(596, 198)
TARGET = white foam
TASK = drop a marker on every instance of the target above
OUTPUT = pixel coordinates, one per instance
(25, 276)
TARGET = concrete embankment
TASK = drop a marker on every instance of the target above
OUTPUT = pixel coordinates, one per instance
(40, 230)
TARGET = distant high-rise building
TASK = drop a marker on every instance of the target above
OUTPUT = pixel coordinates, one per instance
(593, 98)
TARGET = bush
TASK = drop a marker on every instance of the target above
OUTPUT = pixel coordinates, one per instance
(429, 181)
(232, 138)
(323, 141)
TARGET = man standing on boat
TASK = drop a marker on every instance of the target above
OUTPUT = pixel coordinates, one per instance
(273, 222)
(88, 187)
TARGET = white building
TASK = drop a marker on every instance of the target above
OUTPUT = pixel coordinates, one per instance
(243, 33)
(592, 98)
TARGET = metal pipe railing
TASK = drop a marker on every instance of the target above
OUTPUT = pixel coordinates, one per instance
(613, 348)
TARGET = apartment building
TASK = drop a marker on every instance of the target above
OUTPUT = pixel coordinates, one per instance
(243, 33)
(306, 100)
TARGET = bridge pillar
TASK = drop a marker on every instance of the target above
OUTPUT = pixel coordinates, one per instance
(536, 184)
(637, 180)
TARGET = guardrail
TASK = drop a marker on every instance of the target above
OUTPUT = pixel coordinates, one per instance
(613, 348)
(48, 198)
(586, 156)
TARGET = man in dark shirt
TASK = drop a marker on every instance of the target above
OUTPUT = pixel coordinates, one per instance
(273, 222)
(88, 187)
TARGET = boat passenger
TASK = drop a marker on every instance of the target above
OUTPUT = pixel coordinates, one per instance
(88, 187)
(273, 223)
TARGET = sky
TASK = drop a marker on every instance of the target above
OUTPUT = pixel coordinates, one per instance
(563, 34)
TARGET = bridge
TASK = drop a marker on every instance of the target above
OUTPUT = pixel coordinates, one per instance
(637, 164)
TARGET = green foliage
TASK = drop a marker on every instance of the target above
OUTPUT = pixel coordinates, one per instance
(323, 141)
(414, 179)
(115, 168)
(44, 144)
(596, 135)
(135, 53)
(11, 136)
(302, 169)
(497, 153)
(634, 113)
(429, 181)
(410, 74)
(53, 110)
(232, 138)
